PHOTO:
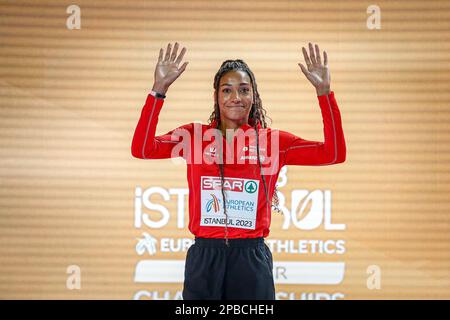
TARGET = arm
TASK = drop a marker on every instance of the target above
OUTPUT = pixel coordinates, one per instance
(297, 151)
(145, 145)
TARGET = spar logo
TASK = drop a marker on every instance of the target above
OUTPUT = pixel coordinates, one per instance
(251, 186)
(213, 204)
(229, 184)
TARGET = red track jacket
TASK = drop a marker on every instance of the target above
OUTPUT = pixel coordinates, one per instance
(247, 195)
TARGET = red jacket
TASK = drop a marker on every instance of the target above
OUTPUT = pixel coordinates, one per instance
(247, 197)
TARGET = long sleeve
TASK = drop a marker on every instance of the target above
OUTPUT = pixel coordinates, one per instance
(297, 151)
(145, 145)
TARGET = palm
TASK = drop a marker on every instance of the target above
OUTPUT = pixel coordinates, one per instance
(320, 75)
(167, 69)
(316, 72)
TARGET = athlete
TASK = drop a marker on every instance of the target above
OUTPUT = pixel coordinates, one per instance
(233, 164)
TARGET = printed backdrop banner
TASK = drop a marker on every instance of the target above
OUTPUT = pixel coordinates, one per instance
(80, 218)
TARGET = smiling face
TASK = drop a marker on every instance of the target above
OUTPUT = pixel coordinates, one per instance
(235, 98)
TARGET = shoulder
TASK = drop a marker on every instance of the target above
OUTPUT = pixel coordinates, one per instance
(284, 138)
(193, 127)
(183, 130)
(284, 135)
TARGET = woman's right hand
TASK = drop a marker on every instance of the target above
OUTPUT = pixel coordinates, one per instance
(167, 69)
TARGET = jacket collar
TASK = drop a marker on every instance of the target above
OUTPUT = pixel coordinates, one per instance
(245, 127)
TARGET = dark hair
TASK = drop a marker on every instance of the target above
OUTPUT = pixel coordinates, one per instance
(257, 115)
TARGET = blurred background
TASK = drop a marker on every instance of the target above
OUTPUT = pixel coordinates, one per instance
(80, 218)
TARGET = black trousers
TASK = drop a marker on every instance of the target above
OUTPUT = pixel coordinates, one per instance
(242, 270)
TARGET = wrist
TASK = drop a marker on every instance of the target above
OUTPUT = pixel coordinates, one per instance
(323, 91)
(160, 88)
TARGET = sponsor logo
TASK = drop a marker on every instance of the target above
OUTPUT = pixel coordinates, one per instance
(229, 184)
(148, 243)
(213, 204)
(251, 187)
(261, 158)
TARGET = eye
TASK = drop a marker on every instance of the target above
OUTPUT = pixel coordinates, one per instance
(226, 90)
(246, 90)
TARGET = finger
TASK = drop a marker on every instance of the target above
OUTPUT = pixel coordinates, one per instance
(183, 67)
(180, 57)
(160, 55)
(325, 58)
(318, 58)
(305, 72)
(311, 54)
(174, 52)
(167, 57)
(305, 55)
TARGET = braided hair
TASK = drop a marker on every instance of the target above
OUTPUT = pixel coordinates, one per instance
(257, 115)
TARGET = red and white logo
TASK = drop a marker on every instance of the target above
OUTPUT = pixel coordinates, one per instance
(230, 184)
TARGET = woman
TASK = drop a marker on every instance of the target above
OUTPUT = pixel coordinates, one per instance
(232, 168)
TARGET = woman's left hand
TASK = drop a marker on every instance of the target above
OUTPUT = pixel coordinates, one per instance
(317, 73)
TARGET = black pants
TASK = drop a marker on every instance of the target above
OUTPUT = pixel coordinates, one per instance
(242, 270)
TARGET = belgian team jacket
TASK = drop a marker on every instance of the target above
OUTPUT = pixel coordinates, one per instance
(248, 184)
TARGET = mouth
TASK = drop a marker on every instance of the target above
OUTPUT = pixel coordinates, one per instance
(240, 106)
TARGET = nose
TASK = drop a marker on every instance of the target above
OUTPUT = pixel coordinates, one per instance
(235, 97)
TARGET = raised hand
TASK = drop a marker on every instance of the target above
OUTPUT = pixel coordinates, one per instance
(167, 69)
(316, 72)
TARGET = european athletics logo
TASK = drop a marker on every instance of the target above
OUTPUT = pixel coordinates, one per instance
(212, 204)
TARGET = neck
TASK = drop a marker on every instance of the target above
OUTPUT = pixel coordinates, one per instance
(231, 124)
